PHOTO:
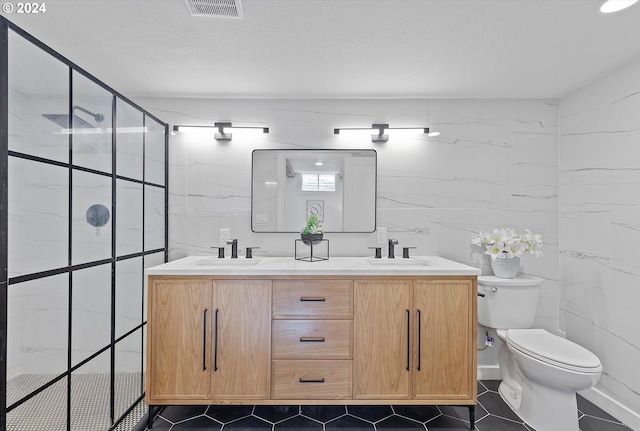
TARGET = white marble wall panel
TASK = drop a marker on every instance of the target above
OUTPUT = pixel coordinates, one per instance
(92, 145)
(129, 141)
(149, 261)
(154, 152)
(38, 84)
(154, 217)
(91, 302)
(38, 326)
(38, 223)
(129, 205)
(494, 165)
(600, 209)
(90, 243)
(129, 283)
(30, 132)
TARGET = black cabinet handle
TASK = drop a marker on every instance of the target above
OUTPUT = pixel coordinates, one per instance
(215, 344)
(312, 339)
(408, 340)
(311, 299)
(204, 342)
(419, 337)
(312, 380)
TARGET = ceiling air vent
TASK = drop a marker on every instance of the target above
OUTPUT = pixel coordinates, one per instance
(215, 8)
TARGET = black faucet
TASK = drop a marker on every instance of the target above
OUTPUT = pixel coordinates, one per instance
(391, 254)
(234, 248)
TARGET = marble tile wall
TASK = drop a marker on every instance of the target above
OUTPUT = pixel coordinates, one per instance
(599, 164)
(494, 165)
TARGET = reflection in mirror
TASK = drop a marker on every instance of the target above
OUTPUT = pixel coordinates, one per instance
(338, 186)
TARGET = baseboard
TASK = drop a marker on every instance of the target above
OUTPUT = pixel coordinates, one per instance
(621, 412)
(489, 372)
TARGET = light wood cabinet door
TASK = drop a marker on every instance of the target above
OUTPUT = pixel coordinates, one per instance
(381, 353)
(444, 340)
(179, 345)
(242, 339)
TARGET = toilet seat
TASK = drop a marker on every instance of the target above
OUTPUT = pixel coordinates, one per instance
(553, 350)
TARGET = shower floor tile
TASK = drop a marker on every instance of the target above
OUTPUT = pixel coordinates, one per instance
(47, 411)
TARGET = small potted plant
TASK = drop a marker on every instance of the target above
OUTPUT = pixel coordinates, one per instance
(312, 232)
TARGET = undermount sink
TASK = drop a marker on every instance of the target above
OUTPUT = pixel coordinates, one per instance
(226, 262)
(398, 261)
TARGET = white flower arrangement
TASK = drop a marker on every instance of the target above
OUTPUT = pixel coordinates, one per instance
(505, 243)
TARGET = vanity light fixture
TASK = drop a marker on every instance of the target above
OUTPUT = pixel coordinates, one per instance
(610, 6)
(380, 136)
(222, 134)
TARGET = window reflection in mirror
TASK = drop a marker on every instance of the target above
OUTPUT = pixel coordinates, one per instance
(338, 186)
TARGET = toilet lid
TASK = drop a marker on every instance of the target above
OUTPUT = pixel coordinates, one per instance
(552, 349)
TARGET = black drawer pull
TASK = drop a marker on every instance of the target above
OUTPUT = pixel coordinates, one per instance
(312, 339)
(312, 380)
(312, 299)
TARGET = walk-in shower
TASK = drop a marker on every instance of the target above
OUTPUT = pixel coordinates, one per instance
(83, 203)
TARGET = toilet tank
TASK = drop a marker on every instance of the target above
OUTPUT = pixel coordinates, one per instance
(508, 303)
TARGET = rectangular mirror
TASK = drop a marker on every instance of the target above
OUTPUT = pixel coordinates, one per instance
(339, 186)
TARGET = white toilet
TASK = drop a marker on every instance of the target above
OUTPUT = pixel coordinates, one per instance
(541, 372)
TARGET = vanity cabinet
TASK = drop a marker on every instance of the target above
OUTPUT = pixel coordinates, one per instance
(311, 339)
(414, 339)
(208, 340)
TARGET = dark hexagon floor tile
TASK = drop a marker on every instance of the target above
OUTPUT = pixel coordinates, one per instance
(494, 423)
(491, 385)
(228, 413)
(418, 413)
(349, 423)
(250, 423)
(588, 423)
(588, 408)
(481, 388)
(398, 423)
(202, 423)
(180, 413)
(447, 423)
(160, 424)
(462, 412)
(494, 405)
(324, 414)
(276, 414)
(299, 423)
(370, 413)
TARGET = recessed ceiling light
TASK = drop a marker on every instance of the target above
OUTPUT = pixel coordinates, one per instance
(319, 163)
(611, 6)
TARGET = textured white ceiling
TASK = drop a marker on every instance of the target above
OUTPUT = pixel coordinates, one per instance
(342, 48)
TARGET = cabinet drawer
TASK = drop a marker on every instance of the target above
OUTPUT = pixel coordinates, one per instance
(313, 299)
(312, 339)
(322, 380)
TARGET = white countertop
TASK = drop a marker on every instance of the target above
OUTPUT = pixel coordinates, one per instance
(210, 265)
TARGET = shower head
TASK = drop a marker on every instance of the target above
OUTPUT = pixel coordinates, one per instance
(63, 119)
